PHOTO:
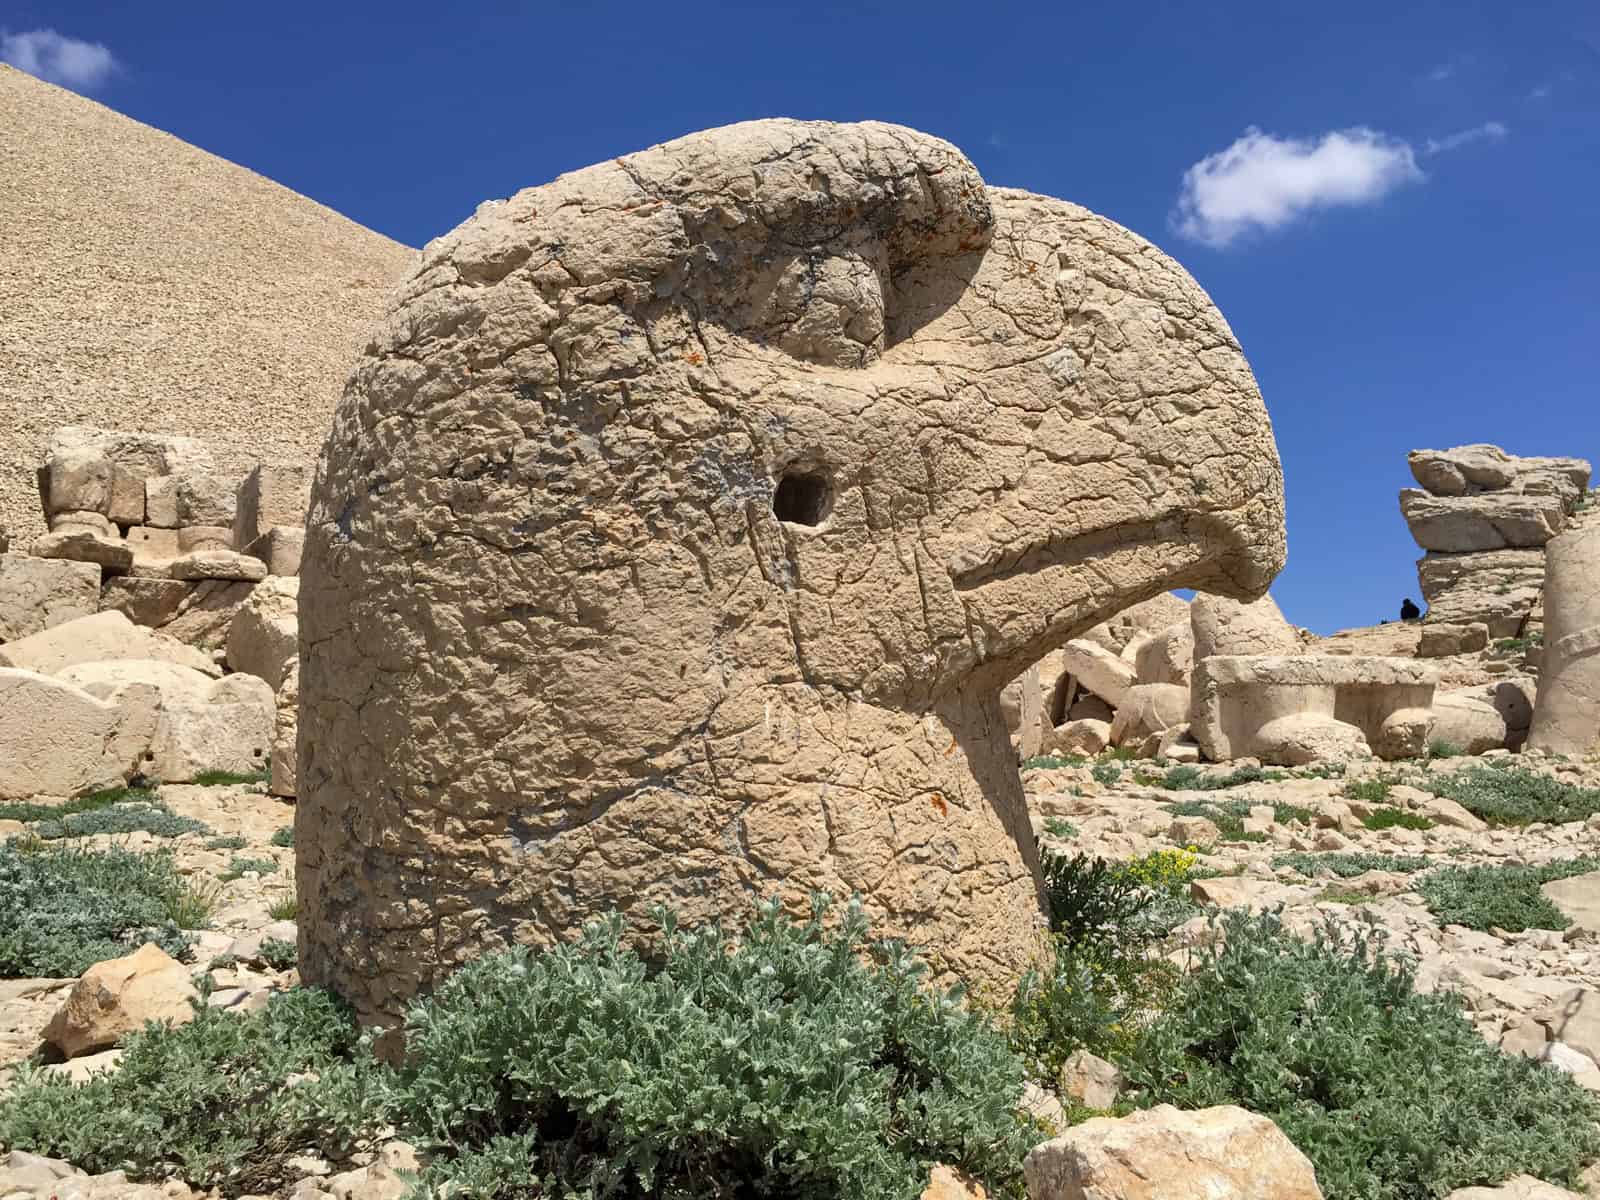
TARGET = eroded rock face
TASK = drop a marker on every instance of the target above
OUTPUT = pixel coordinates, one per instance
(677, 533)
(1566, 719)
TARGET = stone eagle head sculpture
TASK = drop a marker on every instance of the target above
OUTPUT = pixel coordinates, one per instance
(677, 531)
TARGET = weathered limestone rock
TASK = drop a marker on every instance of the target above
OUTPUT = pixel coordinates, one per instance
(149, 602)
(1165, 1153)
(1498, 589)
(150, 544)
(1147, 616)
(194, 538)
(206, 499)
(1480, 467)
(265, 631)
(103, 637)
(1443, 640)
(1020, 706)
(1148, 711)
(1107, 675)
(702, 582)
(1471, 524)
(218, 564)
(86, 546)
(57, 740)
(1566, 719)
(201, 723)
(206, 614)
(1488, 717)
(161, 502)
(1224, 626)
(1086, 736)
(284, 729)
(1090, 1081)
(1292, 710)
(1577, 896)
(5, 539)
(947, 1183)
(281, 548)
(116, 997)
(272, 495)
(38, 593)
(1168, 657)
(1518, 1187)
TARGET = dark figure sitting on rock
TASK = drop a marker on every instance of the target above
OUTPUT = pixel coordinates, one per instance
(1409, 611)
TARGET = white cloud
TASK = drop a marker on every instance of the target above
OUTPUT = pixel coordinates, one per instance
(1262, 182)
(59, 59)
(1491, 131)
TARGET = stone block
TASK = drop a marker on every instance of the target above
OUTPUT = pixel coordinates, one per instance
(206, 500)
(1223, 626)
(217, 564)
(38, 593)
(264, 633)
(1107, 675)
(1443, 640)
(78, 480)
(201, 723)
(1490, 521)
(103, 637)
(152, 544)
(161, 501)
(1289, 710)
(117, 997)
(76, 519)
(204, 537)
(274, 494)
(58, 740)
(284, 731)
(280, 548)
(206, 615)
(82, 545)
(148, 602)
(127, 496)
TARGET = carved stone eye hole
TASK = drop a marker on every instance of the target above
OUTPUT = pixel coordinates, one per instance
(804, 496)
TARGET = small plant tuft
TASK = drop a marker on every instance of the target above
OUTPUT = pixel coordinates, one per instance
(1499, 897)
(1392, 818)
(284, 837)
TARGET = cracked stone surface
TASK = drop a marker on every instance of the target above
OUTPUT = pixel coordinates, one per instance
(1566, 719)
(676, 535)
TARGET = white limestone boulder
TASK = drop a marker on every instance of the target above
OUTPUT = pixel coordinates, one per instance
(56, 739)
(1166, 1153)
(103, 637)
(264, 633)
(201, 724)
(39, 593)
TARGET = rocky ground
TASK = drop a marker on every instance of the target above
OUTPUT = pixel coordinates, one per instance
(1536, 991)
(241, 917)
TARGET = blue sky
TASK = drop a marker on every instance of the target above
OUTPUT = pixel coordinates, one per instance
(1394, 204)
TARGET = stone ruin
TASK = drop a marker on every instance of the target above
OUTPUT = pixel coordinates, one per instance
(116, 627)
(1566, 719)
(1483, 517)
(677, 533)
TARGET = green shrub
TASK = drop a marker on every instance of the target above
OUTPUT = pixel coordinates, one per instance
(1049, 762)
(25, 811)
(1284, 813)
(1515, 795)
(1190, 778)
(63, 909)
(284, 837)
(227, 843)
(1227, 815)
(1373, 790)
(1443, 749)
(1056, 827)
(1099, 984)
(278, 954)
(284, 908)
(1393, 1095)
(230, 778)
(1107, 773)
(801, 1062)
(1347, 864)
(205, 1102)
(1391, 818)
(143, 815)
(239, 866)
(1501, 897)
